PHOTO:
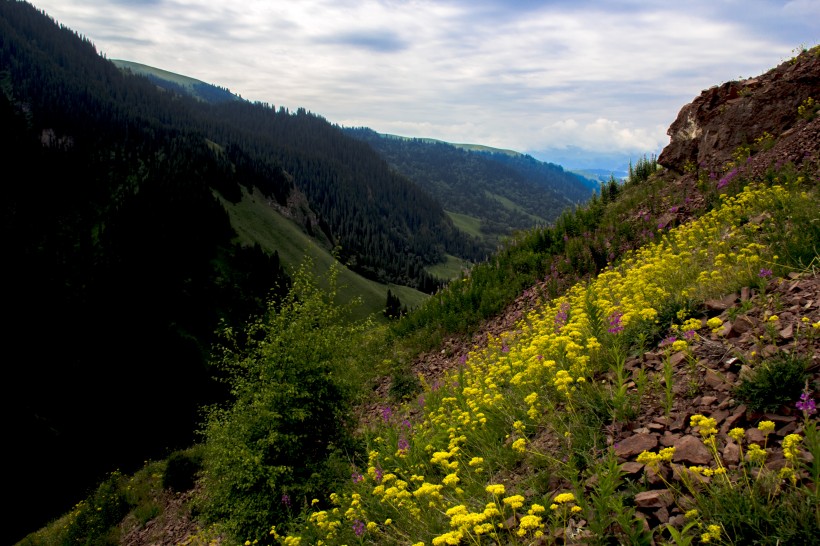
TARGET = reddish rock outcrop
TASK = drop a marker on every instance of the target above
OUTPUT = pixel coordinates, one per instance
(708, 130)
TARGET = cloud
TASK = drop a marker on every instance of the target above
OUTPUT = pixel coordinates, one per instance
(375, 41)
(524, 75)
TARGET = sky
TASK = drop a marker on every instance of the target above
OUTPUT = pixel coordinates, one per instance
(550, 78)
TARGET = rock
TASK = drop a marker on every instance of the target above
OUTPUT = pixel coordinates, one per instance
(677, 358)
(636, 444)
(691, 450)
(669, 439)
(722, 304)
(730, 422)
(731, 453)
(657, 476)
(786, 430)
(656, 498)
(755, 436)
(721, 118)
(708, 400)
(719, 415)
(741, 325)
(715, 380)
(631, 467)
(677, 521)
(662, 515)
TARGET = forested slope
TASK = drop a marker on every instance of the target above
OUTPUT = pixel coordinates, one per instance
(504, 191)
(120, 260)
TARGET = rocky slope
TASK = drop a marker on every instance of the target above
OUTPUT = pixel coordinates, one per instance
(743, 127)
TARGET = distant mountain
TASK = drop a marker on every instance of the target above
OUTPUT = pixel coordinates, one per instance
(488, 192)
(121, 212)
(178, 83)
(602, 175)
(581, 160)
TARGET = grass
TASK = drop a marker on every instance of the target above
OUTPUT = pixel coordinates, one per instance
(468, 224)
(453, 268)
(519, 428)
(256, 222)
(466, 464)
(510, 205)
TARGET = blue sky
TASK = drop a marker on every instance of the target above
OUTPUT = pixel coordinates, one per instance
(538, 77)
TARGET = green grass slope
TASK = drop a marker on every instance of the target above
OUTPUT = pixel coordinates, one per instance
(256, 222)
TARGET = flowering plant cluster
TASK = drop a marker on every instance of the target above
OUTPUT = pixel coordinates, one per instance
(436, 483)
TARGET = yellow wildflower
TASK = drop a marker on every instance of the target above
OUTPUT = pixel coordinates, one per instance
(564, 497)
(514, 501)
(765, 426)
(737, 434)
(495, 489)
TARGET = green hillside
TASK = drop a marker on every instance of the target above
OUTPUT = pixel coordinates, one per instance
(256, 222)
(503, 191)
(177, 82)
(635, 366)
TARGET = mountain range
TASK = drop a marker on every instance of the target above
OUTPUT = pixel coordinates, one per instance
(143, 214)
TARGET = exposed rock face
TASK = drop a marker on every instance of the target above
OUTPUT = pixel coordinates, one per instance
(711, 127)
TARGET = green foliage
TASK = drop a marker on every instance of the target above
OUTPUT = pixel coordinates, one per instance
(503, 191)
(393, 308)
(181, 470)
(773, 383)
(268, 452)
(808, 109)
(93, 522)
(581, 242)
(403, 384)
(643, 169)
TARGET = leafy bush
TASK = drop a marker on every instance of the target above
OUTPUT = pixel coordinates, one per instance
(181, 470)
(272, 450)
(773, 383)
(93, 522)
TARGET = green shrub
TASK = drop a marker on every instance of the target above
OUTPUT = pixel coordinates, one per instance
(181, 470)
(773, 383)
(273, 450)
(94, 521)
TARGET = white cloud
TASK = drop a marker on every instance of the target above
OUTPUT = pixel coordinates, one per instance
(522, 75)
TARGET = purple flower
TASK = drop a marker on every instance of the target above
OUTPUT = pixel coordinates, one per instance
(674, 209)
(688, 335)
(386, 413)
(406, 423)
(561, 316)
(356, 477)
(615, 326)
(286, 500)
(764, 273)
(668, 341)
(379, 475)
(359, 527)
(807, 405)
(723, 182)
(403, 444)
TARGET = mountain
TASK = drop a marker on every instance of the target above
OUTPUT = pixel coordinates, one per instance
(488, 192)
(517, 191)
(123, 207)
(645, 370)
(177, 83)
